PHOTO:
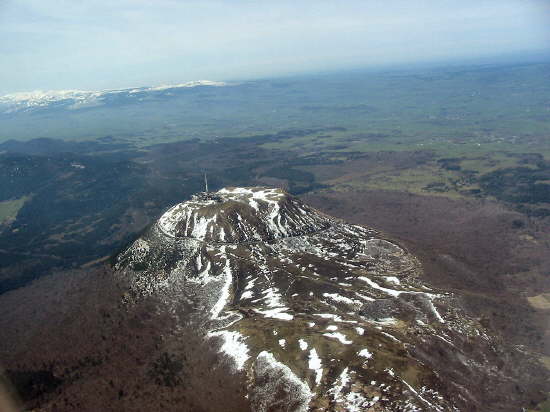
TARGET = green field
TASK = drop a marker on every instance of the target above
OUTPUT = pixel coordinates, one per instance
(460, 132)
(436, 109)
(10, 208)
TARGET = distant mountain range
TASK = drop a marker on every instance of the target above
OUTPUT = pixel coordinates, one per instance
(445, 101)
(77, 99)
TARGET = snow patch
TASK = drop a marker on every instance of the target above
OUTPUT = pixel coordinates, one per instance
(314, 363)
(342, 299)
(227, 279)
(234, 346)
(277, 313)
(392, 279)
(276, 375)
(375, 285)
(246, 294)
(341, 337)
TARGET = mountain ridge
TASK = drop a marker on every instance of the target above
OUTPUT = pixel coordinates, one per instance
(75, 99)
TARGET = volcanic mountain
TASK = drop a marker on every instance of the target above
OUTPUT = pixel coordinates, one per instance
(301, 311)
(319, 314)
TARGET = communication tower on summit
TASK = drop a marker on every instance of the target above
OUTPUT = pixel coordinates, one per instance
(206, 195)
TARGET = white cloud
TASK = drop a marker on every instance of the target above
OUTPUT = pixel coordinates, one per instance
(98, 44)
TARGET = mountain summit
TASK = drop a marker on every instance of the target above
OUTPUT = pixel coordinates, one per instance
(316, 313)
(238, 215)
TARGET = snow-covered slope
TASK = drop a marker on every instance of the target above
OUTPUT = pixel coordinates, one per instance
(75, 99)
(321, 315)
(237, 215)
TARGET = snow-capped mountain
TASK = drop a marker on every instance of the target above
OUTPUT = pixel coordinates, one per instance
(75, 99)
(317, 313)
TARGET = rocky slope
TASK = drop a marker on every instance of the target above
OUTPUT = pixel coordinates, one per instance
(316, 313)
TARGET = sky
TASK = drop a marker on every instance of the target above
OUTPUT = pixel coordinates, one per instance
(106, 44)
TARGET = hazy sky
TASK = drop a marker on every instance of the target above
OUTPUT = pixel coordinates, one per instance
(84, 44)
